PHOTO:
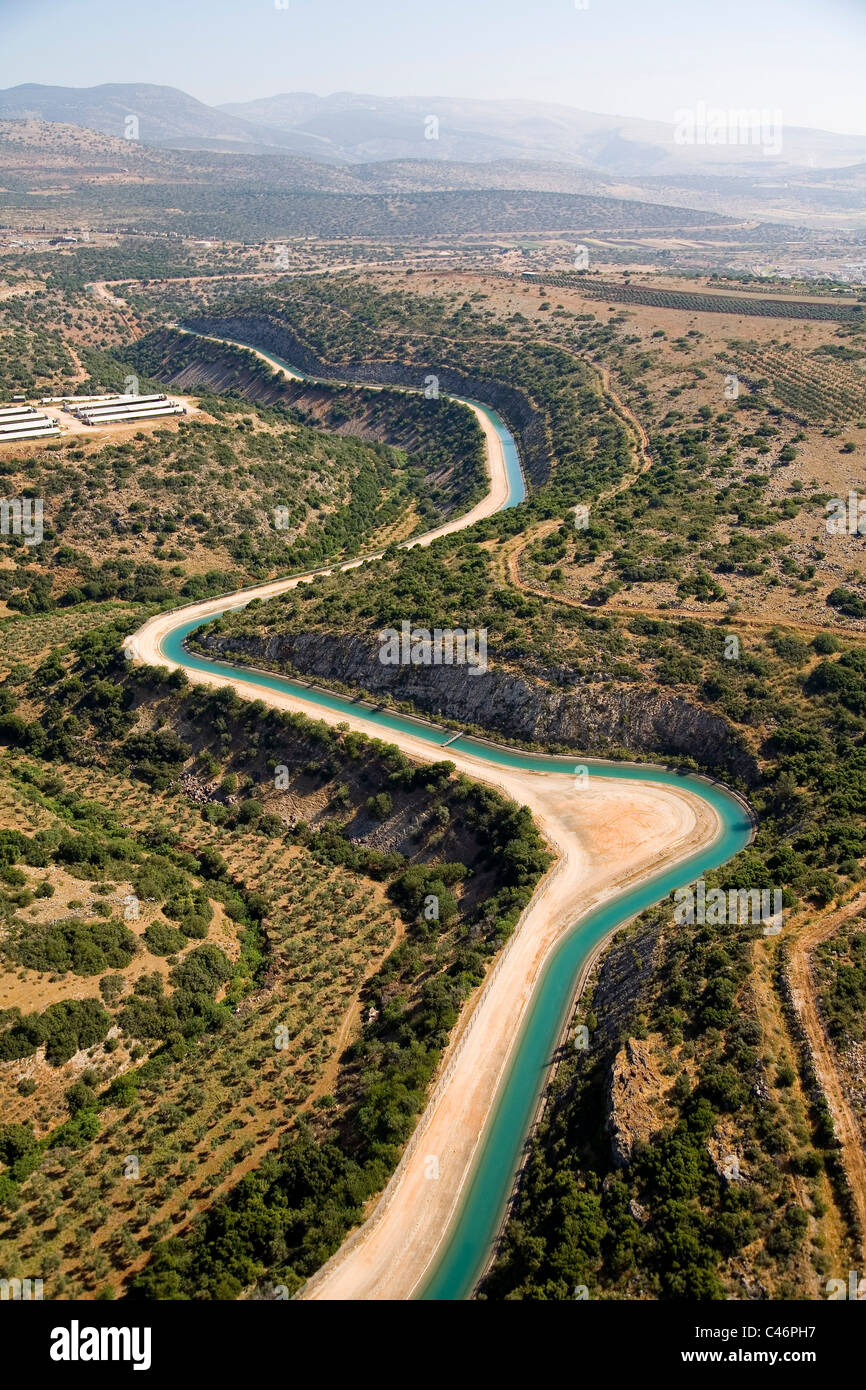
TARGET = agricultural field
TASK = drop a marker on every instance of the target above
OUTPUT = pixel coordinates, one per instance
(150, 1058)
(655, 297)
(826, 386)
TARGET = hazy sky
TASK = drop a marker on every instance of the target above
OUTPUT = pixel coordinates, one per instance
(628, 57)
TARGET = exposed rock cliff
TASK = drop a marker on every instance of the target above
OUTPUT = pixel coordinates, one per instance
(594, 719)
(527, 423)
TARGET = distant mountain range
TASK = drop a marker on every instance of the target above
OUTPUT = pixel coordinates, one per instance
(166, 115)
(347, 128)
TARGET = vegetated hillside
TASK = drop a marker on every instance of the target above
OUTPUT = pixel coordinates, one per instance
(530, 701)
(36, 153)
(543, 393)
(444, 448)
(279, 990)
(243, 495)
(185, 194)
(681, 1155)
(66, 153)
(348, 127)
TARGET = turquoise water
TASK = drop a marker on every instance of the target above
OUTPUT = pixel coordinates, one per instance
(463, 1257)
(464, 1254)
(466, 1249)
(516, 485)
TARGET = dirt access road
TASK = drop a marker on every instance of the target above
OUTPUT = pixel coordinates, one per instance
(805, 998)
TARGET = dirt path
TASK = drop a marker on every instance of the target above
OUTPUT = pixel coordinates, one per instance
(803, 986)
(834, 1225)
(629, 414)
(81, 373)
(508, 563)
(101, 291)
(641, 437)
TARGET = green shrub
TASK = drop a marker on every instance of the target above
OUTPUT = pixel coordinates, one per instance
(164, 940)
(85, 948)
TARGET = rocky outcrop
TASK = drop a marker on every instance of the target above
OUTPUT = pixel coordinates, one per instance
(526, 422)
(617, 992)
(634, 1091)
(594, 718)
